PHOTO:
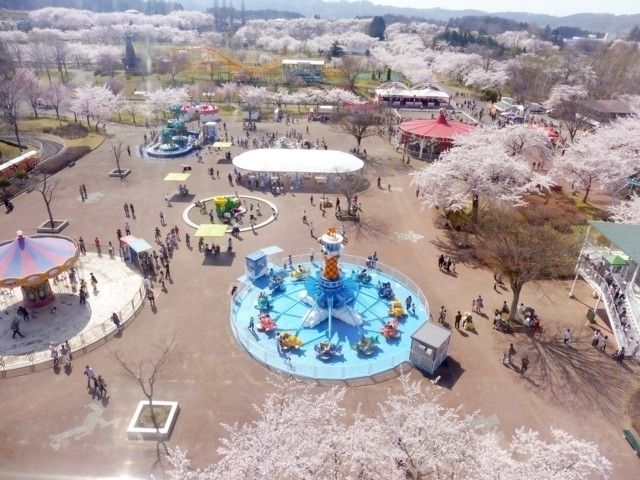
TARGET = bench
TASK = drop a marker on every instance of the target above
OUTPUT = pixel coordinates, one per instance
(633, 441)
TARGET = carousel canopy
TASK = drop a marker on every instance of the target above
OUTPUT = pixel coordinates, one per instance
(297, 160)
(439, 128)
(31, 260)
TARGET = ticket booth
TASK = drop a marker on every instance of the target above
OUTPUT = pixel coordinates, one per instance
(429, 347)
(256, 265)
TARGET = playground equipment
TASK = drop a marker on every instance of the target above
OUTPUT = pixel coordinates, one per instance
(263, 302)
(363, 276)
(366, 345)
(385, 291)
(174, 140)
(390, 330)
(332, 293)
(288, 341)
(266, 323)
(326, 350)
(299, 273)
(396, 309)
(228, 207)
(276, 284)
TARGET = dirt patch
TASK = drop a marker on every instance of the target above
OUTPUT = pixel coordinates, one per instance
(633, 409)
(161, 413)
(70, 131)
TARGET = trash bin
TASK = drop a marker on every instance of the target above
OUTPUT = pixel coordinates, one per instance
(591, 315)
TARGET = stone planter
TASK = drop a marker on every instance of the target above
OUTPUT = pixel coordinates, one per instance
(59, 225)
(140, 427)
(119, 173)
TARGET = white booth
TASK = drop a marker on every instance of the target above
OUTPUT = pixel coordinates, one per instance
(429, 347)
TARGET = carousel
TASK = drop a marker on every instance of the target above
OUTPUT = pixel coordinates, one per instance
(435, 135)
(29, 263)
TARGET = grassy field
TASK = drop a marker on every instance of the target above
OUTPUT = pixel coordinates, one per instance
(92, 140)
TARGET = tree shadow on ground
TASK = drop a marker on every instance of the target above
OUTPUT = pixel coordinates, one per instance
(367, 228)
(577, 375)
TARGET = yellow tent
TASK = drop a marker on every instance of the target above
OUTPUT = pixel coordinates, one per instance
(177, 177)
(221, 145)
(211, 230)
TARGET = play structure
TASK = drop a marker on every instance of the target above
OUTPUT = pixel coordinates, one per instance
(327, 320)
(228, 207)
(29, 263)
(174, 140)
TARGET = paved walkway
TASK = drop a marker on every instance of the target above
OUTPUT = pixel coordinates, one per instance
(49, 417)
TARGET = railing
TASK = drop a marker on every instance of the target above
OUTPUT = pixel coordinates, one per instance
(80, 344)
(325, 371)
(598, 283)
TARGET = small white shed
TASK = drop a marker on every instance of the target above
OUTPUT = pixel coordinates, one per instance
(429, 347)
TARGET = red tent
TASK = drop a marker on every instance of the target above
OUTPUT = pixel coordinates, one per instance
(438, 130)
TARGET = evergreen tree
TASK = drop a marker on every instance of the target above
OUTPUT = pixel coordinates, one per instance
(377, 28)
(335, 51)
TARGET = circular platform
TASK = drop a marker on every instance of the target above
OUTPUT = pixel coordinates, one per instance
(289, 306)
(268, 213)
(120, 289)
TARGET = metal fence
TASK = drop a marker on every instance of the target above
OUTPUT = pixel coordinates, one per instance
(86, 341)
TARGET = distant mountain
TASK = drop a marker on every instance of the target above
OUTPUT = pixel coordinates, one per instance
(599, 22)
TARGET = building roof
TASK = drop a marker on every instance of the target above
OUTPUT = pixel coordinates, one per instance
(608, 106)
(302, 62)
(399, 90)
(295, 160)
(431, 334)
(625, 236)
(440, 128)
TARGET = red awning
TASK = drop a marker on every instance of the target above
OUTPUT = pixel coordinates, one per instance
(440, 128)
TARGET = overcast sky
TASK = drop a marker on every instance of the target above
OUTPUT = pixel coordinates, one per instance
(551, 7)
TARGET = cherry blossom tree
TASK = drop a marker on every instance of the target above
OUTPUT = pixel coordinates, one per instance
(253, 97)
(627, 211)
(228, 91)
(159, 101)
(480, 164)
(55, 94)
(412, 436)
(563, 100)
(363, 122)
(13, 92)
(33, 90)
(604, 159)
(93, 103)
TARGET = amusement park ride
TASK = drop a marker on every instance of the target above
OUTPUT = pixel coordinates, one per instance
(217, 60)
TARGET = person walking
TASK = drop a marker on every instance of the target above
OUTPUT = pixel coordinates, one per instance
(53, 353)
(65, 354)
(98, 248)
(524, 364)
(84, 190)
(602, 344)
(162, 222)
(473, 306)
(101, 386)
(126, 210)
(15, 327)
(441, 261)
(83, 248)
(133, 210)
(511, 352)
(442, 315)
(94, 281)
(479, 304)
(88, 371)
(151, 298)
(110, 248)
(23, 313)
(81, 193)
(458, 318)
(567, 336)
(251, 324)
(116, 321)
(127, 228)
